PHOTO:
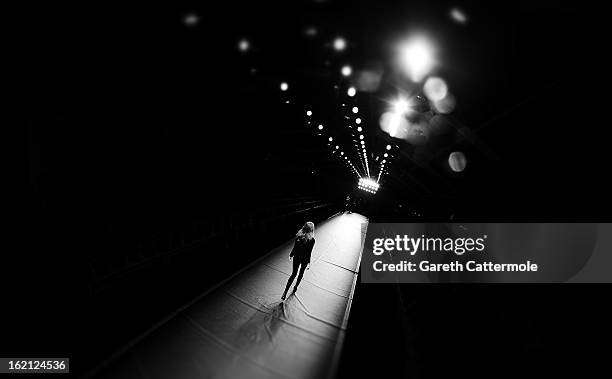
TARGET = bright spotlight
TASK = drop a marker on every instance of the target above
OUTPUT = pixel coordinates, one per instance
(359, 129)
(401, 106)
(320, 127)
(308, 113)
(368, 185)
(339, 44)
(337, 147)
(388, 147)
(284, 86)
(355, 109)
(330, 139)
(386, 155)
(416, 58)
(346, 70)
(361, 136)
(351, 91)
(357, 121)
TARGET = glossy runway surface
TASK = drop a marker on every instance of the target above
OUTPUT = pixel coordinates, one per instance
(241, 329)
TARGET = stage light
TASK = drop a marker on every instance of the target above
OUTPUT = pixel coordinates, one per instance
(386, 155)
(308, 113)
(339, 44)
(337, 147)
(351, 92)
(244, 45)
(388, 147)
(361, 136)
(359, 129)
(320, 127)
(368, 185)
(342, 153)
(346, 70)
(284, 86)
(416, 58)
(330, 139)
(383, 161)
(355, 109)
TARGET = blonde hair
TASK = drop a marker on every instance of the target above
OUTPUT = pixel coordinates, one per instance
(307, 231)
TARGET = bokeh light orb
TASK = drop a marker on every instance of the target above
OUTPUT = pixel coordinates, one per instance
(355, 109)
(284, 86)
(339, 44)
(346, 70)
(435, 89)
(351, 91)
(357, 121)
(369, 80)
(457, 161)
(191, 19)
(244, 45)
(445, 105)
(416, 57)
(311, 31)
(458, 15)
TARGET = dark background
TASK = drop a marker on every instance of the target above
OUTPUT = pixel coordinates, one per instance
(159, 164)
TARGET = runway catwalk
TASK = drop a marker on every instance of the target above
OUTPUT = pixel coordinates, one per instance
(241, 329)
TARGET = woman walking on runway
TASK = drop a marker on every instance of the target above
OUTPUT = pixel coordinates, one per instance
(304, 242)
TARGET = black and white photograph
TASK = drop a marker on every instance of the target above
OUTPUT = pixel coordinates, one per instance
(310, 189)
